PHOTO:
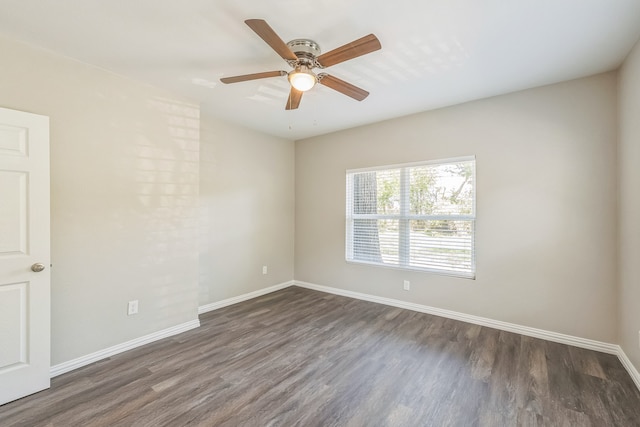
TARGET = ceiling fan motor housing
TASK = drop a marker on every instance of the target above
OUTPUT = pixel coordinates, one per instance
(306, 50)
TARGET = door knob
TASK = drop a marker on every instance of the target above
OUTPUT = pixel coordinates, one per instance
(37, 267)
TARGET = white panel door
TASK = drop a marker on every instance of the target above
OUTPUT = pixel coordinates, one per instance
(24, 249)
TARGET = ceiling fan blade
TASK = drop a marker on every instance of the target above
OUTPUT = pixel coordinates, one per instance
(294, 99)
(362, 46)
(255, 76)
(343, 87)
(267, 34)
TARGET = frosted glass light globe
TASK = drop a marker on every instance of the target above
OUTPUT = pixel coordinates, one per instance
(302, 79)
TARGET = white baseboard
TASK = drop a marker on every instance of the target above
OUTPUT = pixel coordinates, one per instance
(234, 300)
(119, 348)
(635, 375)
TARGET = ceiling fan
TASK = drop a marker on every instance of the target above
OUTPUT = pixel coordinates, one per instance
(303, 55)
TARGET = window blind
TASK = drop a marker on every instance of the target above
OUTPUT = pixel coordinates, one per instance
(414, 216)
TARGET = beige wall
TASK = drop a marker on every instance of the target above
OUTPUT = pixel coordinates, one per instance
(629, 225)
(546, 206)
(247, 210)
(124, 191)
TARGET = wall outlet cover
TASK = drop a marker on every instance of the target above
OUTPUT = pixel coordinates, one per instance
(132, 307)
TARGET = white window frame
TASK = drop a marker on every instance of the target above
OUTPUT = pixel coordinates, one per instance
(405, 217)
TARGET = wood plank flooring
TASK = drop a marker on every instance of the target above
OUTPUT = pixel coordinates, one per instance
(298, 357)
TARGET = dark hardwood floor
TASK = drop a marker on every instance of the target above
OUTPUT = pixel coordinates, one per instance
(303, 358)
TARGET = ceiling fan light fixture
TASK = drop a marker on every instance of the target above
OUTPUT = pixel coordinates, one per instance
(304, 55)
(302, 78)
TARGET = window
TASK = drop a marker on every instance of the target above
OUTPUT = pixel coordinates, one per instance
(418, 216)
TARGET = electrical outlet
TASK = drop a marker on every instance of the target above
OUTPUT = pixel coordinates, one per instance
(407, 285)
(264, 269)
(132, 307)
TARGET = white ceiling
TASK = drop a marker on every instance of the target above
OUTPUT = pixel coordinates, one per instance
(434, 52)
